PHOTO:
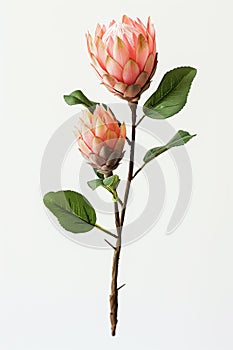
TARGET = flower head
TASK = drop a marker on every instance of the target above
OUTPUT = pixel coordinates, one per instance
(124, 56)
(101, 139)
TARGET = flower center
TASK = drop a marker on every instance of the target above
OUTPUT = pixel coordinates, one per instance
(120, 30)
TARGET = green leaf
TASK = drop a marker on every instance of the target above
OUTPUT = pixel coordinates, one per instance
(112, 182)
(153, 153)
(78, 97)
(100, 175)
(180, 138)
(171, 95)
(93, 184)
(73, 211)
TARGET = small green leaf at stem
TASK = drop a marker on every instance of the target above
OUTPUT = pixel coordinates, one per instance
(73, 211)
(94, 184)
(77, 97)
(171, 95)
(179, 139)
(100, 175)
(110, 184)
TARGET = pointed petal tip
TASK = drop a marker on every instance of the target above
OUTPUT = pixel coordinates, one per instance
(130, 72)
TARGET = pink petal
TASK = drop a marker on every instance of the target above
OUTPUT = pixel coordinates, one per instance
(90, 46)
(111, 135)
(96, 160)
(109, 121)
(109, 88)
(130, 72)
(111, 138)
(99, 112)
(108, 117)
(88, 137)
(97, 72)
(84, 123)
(112, 22)
(135, 39)
(101, 52)
(151, 29)
(103, 31)
(77, 132)
(131, 49)
(109, 80)
(83, 147)
(149, 63)
(97, 66)
(113, 68)
(111, 143)
(152, 44)
(141, 28)
(100, 30)
(109, 47)
(120, 52)
(132, 91)
(119, 145)
(100, 129)
(142, 51)
(97, 143)
(120, 87)
(105, 152)
(142, 79)
(123, 131)
(127, 20)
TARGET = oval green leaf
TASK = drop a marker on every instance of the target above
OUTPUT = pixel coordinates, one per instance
(179, 139)
(73, 211)
(77, 97)
(94, 184)
(171, 95)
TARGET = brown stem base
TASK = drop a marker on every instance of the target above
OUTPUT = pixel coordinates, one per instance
(114, 291)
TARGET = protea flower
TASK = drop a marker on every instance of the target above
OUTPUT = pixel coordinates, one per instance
(101, 139)
(124, 56)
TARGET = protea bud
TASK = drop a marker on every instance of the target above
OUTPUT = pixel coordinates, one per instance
(101, 139)
(124, 56)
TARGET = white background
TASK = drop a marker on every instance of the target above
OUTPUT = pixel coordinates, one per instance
(54, 293)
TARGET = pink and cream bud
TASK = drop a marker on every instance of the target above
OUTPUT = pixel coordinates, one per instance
(101, 139)
(124, 56)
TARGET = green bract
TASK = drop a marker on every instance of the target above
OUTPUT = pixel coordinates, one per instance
(110, 183)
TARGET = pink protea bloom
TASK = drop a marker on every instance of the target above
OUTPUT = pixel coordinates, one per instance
(124, 56)
(101, 139)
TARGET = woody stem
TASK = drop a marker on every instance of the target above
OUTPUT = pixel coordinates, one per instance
(119, 221)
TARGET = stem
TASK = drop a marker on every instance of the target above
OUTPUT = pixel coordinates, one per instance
(115, 266)
(138, 171)
(140, 120)
(119, 221)
(110, 244)
(105, 230)
(133, 107)
(127, 139)
(120, 202)
(117, 218)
